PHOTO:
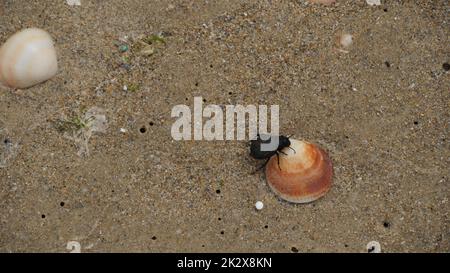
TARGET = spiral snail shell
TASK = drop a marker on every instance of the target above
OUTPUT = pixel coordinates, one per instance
(27, 58)
(304, 172)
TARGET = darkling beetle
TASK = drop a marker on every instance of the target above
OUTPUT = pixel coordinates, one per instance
(257, 153)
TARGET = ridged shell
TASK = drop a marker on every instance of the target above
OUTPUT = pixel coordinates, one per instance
(27, 58)
(302, 176)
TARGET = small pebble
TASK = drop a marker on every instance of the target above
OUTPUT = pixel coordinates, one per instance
(123, 48)
(123, 130)
(259, 205)
(147, 51)
(346, 40)
(125, 66)
(125, 88)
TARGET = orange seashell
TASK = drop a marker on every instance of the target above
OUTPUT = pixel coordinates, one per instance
(302, 176)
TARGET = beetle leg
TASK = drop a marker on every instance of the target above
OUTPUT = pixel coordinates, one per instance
(278, 158)
(262, 166)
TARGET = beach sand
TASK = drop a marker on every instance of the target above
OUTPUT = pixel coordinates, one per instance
(380, 108)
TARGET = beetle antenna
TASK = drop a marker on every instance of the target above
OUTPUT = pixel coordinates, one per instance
(292, 149)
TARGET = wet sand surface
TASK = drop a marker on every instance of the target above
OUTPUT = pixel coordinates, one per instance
(380, 108)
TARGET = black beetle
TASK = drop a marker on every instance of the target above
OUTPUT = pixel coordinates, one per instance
(257, 153)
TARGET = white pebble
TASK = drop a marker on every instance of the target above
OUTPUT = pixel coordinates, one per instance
(125, 88)
(123, 130)
(259, 205)
(346, 40)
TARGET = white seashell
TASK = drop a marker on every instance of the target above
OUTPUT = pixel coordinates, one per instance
(373, 247)
(27, 58)
(373, 2)
(74, 247)
(73, 2)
